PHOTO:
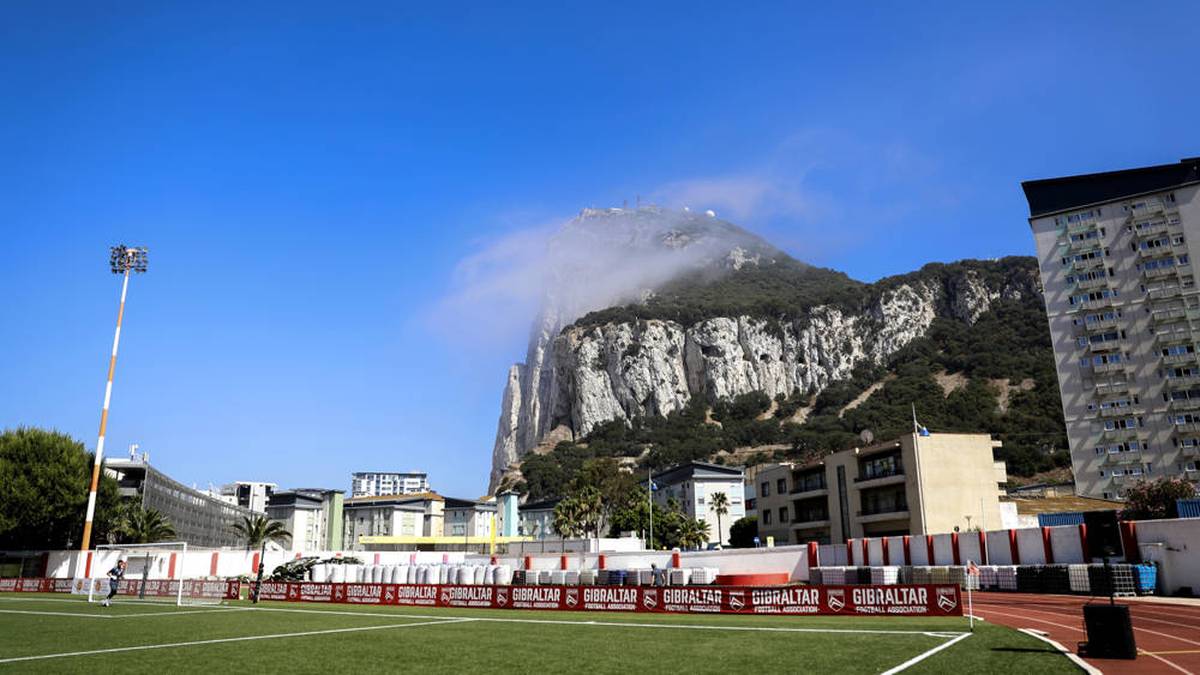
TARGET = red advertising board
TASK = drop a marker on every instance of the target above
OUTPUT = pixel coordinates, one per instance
(898, 600)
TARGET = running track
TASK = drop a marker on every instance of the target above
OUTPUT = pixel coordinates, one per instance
(1167, 635)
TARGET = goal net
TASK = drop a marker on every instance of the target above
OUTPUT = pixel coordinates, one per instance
(156, 572)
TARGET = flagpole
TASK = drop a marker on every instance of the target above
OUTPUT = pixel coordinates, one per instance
(650, 504)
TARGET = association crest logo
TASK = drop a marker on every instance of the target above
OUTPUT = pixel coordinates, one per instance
(389, 594)
(946, 599)
(293, 591)
(836, 599)
(735, 601)
(339, 593)
(445, 596)
(572, 597)
(502, 597)
(650, 599)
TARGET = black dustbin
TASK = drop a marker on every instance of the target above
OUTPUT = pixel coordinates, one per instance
(1109, 632)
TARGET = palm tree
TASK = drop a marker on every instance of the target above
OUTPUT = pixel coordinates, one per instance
(142, 526)
(720, 506)
(693, 533)
(257, 530)
(568, 519)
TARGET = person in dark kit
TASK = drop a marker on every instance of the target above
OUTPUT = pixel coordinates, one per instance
(659, 575)
(114, 581)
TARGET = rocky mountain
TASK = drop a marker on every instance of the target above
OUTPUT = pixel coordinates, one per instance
(738, 317)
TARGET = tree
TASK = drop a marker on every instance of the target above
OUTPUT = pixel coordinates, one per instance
(1148, 500)
(693, 533)
(44, 481)
(142, 526)
(568, 519)
(258, 529)
(743, 531)
(720, 506)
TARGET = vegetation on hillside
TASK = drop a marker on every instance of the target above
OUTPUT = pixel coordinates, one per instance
(1004, 356)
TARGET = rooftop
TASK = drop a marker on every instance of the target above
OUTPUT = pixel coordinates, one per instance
(413, 497)
(1034, 506)
(1053, 195)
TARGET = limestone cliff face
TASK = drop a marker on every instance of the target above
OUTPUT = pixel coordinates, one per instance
(580, 377)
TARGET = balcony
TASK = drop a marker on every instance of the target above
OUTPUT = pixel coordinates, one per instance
(880, 479)
(1085, 284)
(1107, 346)
(807, 521)
(876, 516)
(1184, 404)
(1110, 435)
(1124, 411)
(1107, 387)
(1097, 325)
(810, 490)
(1151, 229)
(1158, 251)
(1099, 303)
(1168, 314)
(1191, 474)
(1147, 208)
(1178, 358)
(1173, 334)
(1101, 368)
(1190, 453)
(1077, 227)
(1182, 381)
(1118, 458)
(1164, 293)
(1163, 272)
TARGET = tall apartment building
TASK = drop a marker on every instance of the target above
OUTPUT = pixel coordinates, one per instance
(312, 515)
(252, 495)
(911, 485)
(384, 483)
(1115, 251)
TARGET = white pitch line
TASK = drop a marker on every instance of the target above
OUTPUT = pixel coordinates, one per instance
(924, 655)
(619, 624)
(48, 613)
(116, 650)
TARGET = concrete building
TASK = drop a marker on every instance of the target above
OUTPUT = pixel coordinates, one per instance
(693, 486)
(912, 485)
(468, 517)
(536, 519)
(508, 509)
(312, 515)
(198, 518)
(384, 483)
(1115, 251)
(413, 515)
(252, 495)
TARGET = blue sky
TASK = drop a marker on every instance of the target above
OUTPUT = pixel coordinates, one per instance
(319, 183)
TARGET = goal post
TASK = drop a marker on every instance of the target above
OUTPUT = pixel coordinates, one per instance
(156, 571)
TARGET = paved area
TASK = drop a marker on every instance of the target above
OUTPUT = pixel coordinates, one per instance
(1167, 631)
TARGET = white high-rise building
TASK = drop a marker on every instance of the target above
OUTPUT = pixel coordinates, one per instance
(383, 483)
(1115, 251)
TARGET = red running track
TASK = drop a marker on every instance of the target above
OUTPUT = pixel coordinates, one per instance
(1167, 634)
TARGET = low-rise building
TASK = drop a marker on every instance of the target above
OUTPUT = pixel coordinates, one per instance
(252, 495)
(468, 518)
(415, 515)
(312, 515)
(693, 486)
(537, 519)
(916, 484)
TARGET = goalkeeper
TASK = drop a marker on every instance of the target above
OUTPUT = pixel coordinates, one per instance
(114, 581)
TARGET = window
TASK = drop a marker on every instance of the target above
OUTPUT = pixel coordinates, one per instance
(783, 516)
(765, 489)
(767, 517)
(781, 486)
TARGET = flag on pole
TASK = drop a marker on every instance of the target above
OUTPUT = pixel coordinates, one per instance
(918, 428)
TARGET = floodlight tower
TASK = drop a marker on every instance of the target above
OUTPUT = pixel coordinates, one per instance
(122, 260)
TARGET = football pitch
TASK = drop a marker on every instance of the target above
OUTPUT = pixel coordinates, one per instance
(60, 633)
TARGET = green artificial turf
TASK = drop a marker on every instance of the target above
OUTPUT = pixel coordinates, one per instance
(440, 640)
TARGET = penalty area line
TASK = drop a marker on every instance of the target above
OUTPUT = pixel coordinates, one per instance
(192, 643)
(925, 654)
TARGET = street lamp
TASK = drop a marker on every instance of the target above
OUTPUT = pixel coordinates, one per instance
(121, 260)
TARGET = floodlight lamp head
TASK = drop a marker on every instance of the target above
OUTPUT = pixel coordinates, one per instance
(122, 259)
